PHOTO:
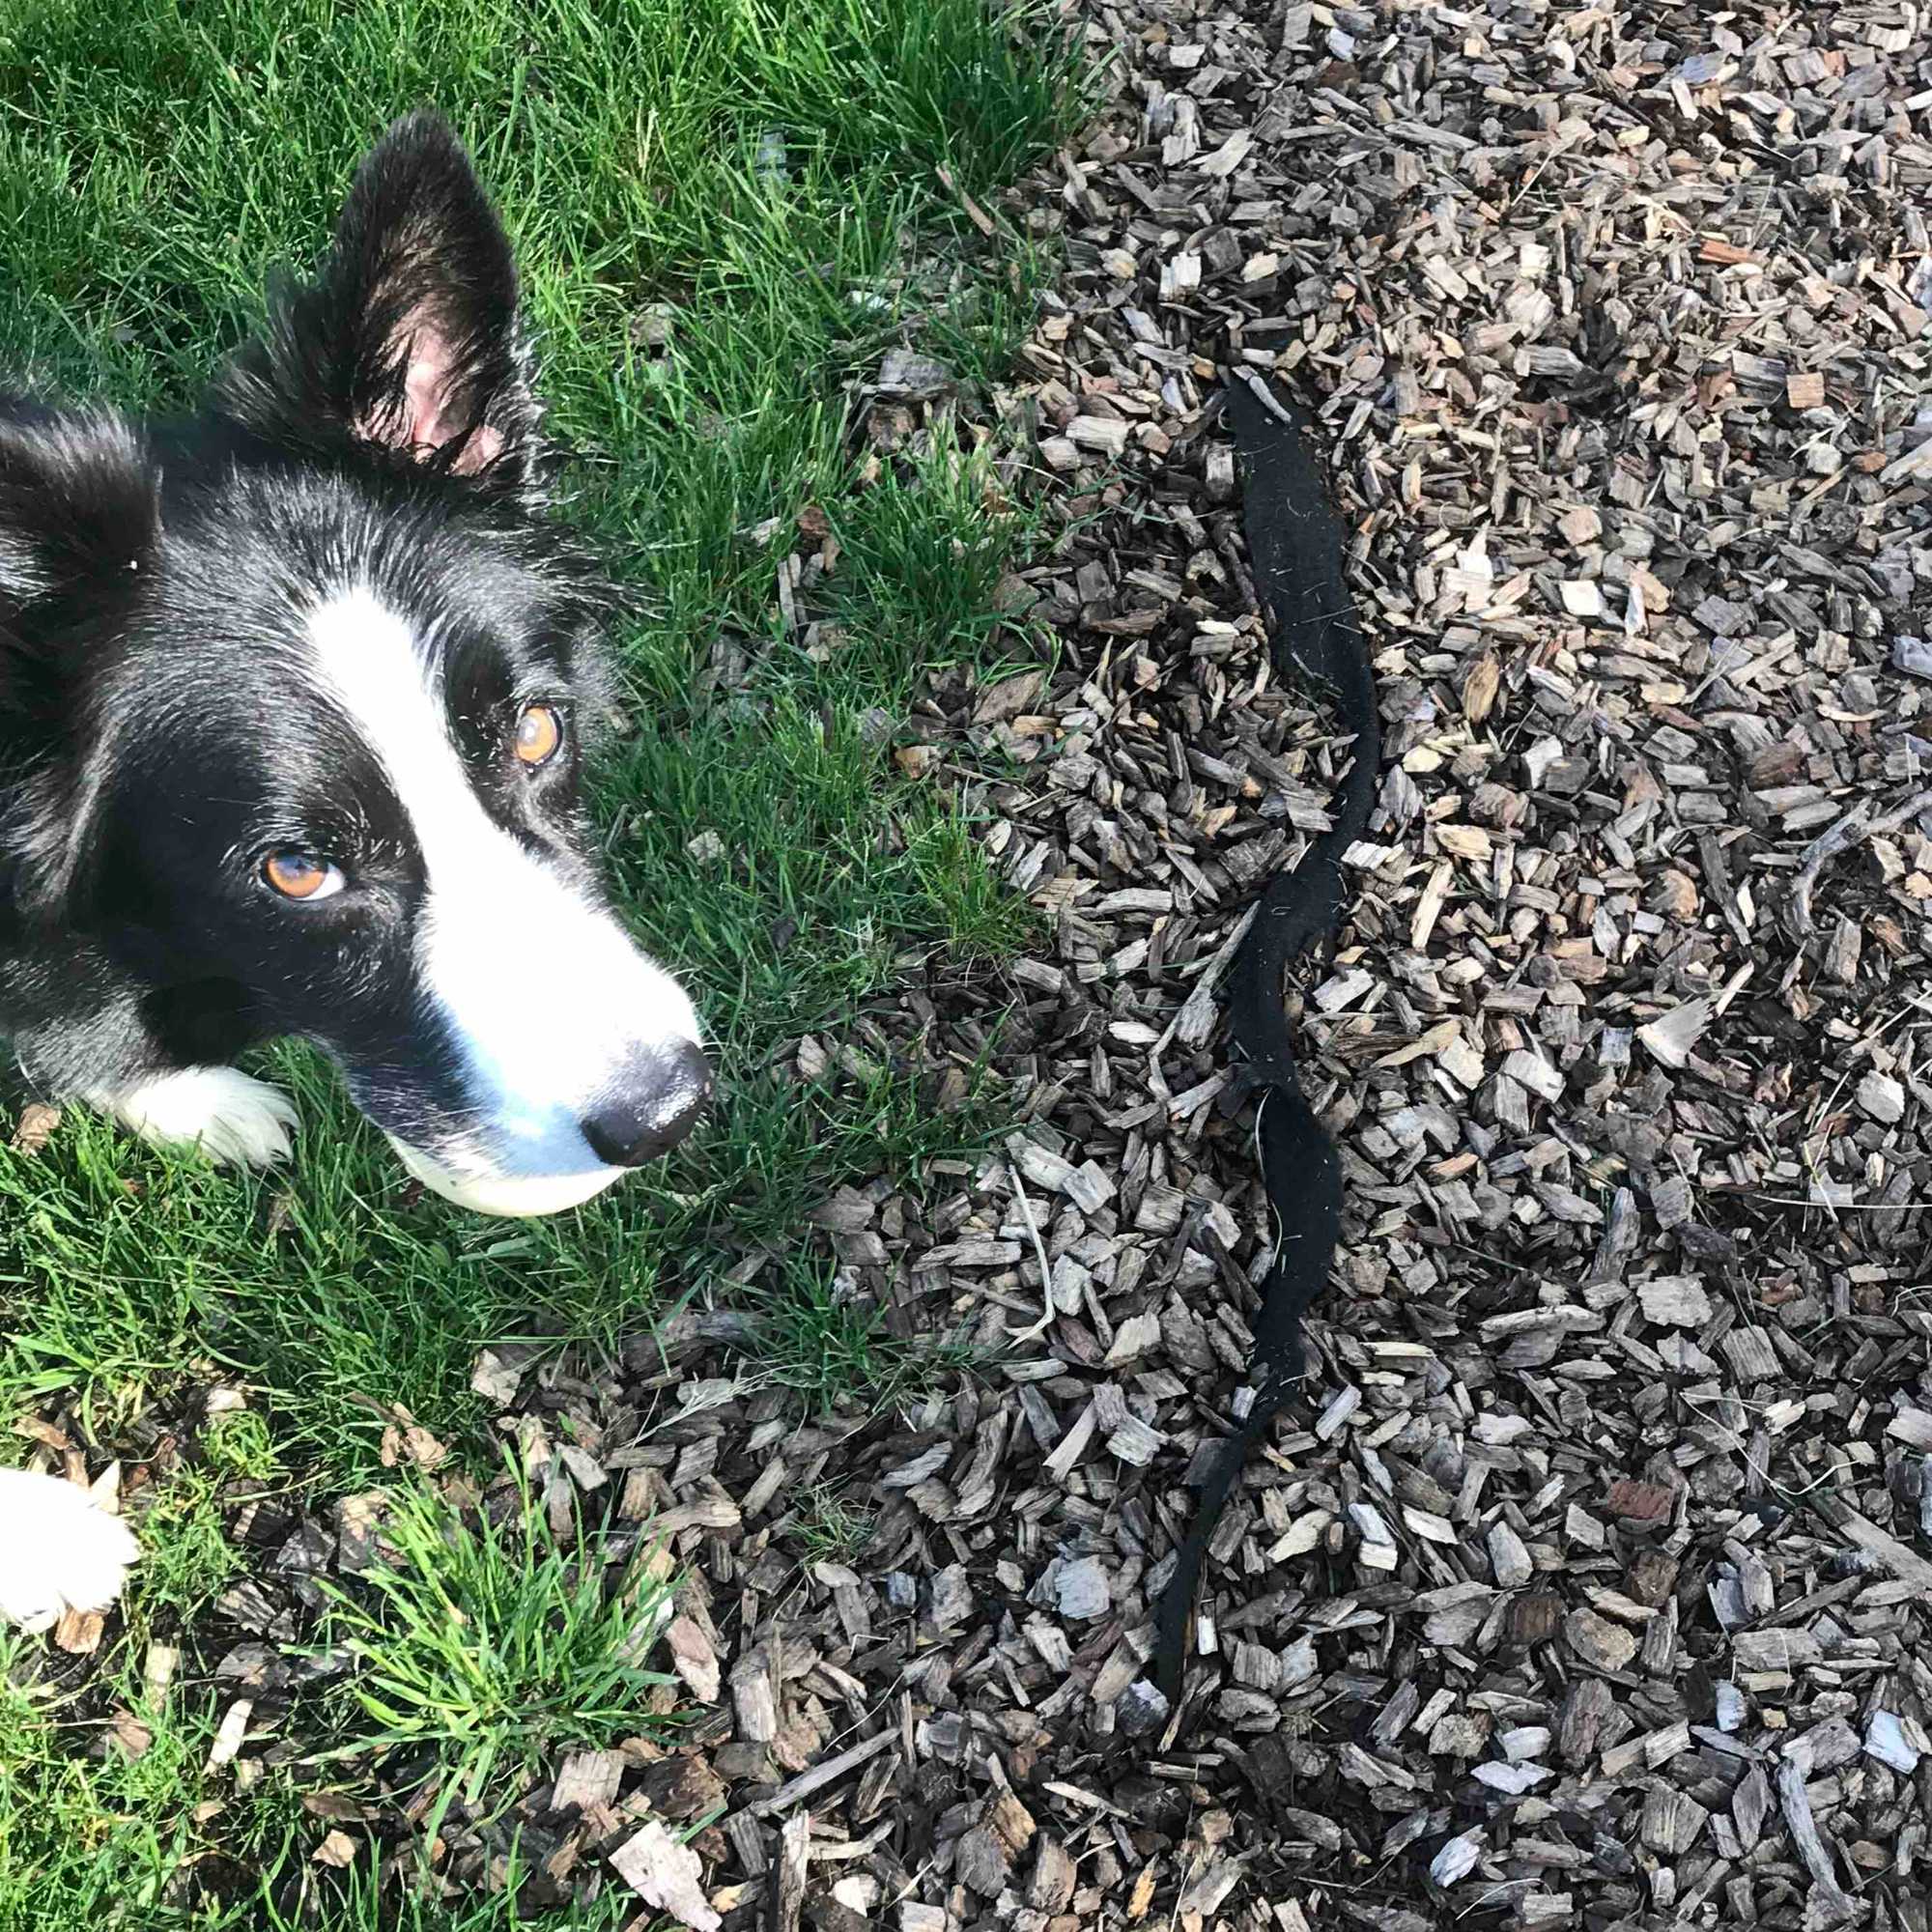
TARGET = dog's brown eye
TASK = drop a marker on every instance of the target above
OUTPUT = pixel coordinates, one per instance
(300, 875)
(539, 732)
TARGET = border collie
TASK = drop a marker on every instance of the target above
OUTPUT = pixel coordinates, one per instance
(294, 699)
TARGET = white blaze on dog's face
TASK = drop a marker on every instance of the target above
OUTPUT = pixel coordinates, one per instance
(578, 1054)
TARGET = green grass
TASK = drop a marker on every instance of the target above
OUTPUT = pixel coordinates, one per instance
(190, 1556)
(478, 1652)
(483, 1650)
(91, 1842)
(828, 1528)
(725, 212)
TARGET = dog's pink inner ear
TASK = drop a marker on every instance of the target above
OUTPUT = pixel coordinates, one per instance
(429, 419)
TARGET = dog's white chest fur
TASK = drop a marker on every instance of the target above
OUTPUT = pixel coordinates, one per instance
(59, 1549)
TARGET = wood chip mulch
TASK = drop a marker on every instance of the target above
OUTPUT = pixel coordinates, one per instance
(1588, 1584)
(1592, 1586)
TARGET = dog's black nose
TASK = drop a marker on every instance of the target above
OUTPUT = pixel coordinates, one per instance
(661, 1098)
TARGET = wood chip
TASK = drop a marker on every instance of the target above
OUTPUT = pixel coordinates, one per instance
(665, 1875)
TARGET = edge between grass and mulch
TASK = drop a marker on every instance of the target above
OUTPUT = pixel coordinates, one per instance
(727, 213)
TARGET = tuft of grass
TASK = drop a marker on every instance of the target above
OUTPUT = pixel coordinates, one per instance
(484, 1647)
(828, 1528)
(824, 1343)
(190, 1559)
(155, 1843)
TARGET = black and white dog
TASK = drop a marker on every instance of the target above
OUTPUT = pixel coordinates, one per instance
(293, 704)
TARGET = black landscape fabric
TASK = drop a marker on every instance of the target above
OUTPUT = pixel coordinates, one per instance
(1296, 552)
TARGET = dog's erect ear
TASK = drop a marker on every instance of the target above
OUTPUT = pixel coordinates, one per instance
(407, 340)
(78, 516)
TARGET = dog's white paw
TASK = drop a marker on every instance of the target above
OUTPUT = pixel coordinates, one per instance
(230, 1116)
(59, 1549)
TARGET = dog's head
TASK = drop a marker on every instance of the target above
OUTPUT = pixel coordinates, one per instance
(308, 689)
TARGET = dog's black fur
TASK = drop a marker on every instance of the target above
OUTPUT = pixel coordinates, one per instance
(155, 740)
